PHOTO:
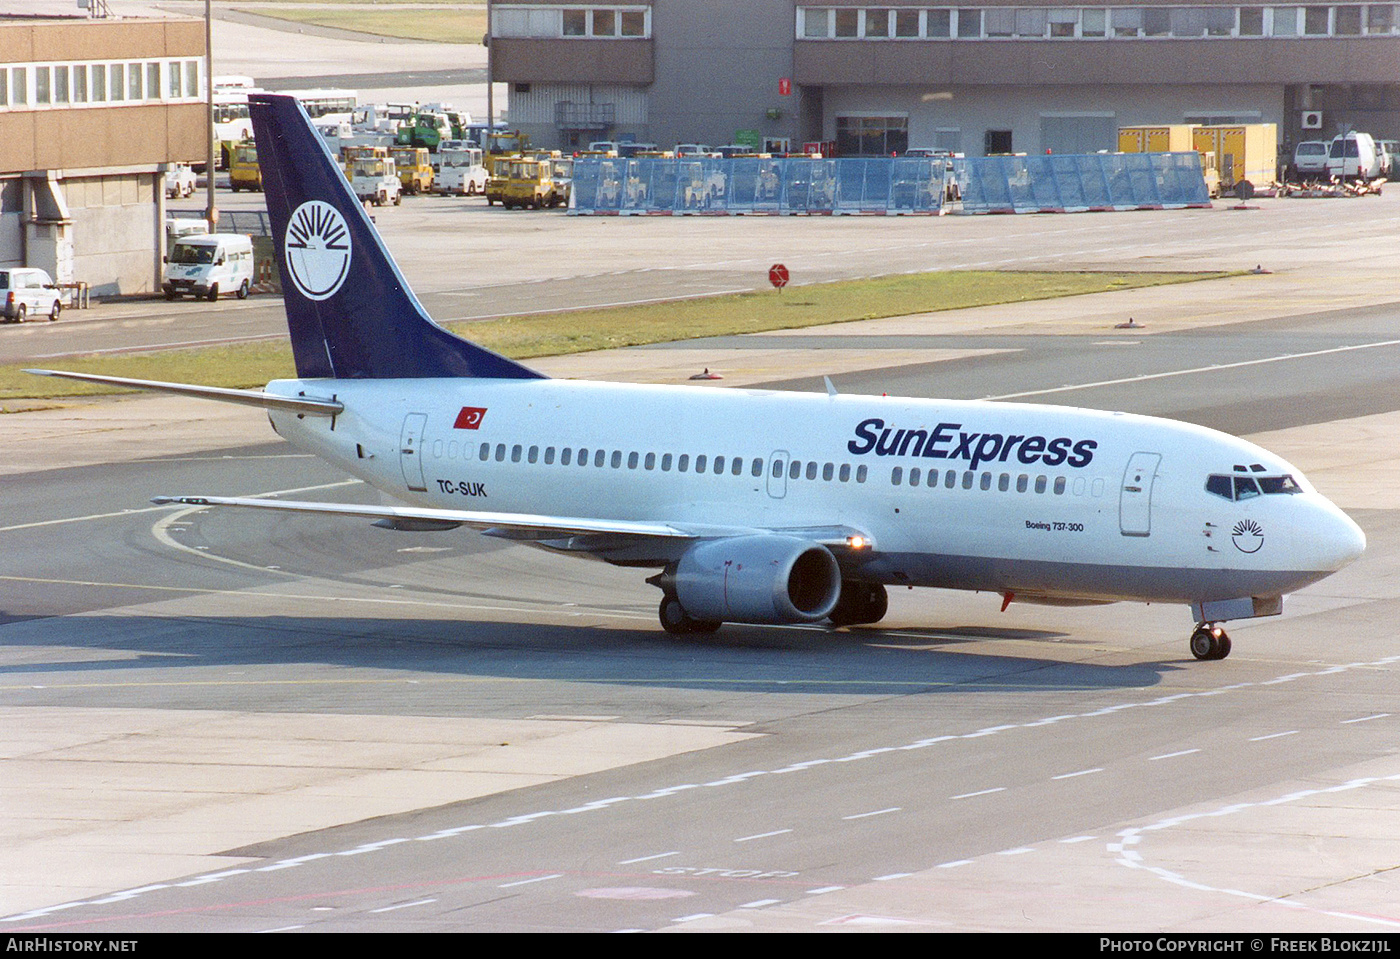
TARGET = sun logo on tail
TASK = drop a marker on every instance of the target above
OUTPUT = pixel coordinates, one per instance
(317, 248)
(1247, 536)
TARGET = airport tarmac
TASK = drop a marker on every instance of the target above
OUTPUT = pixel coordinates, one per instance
(218, 721)
(231, 722)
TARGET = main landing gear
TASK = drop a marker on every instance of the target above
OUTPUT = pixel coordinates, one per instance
(860, 603)
(676, 621)
(1209, 641)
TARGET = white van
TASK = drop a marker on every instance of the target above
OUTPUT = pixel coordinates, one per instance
(1354, 156)
(209, 264)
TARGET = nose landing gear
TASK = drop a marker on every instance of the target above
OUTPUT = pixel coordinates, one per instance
(1210, 642)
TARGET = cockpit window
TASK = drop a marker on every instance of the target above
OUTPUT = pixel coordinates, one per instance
(1220, 486)
(1246, 487)
(1279, 484)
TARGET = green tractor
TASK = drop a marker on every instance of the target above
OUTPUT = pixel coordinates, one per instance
(424, 130)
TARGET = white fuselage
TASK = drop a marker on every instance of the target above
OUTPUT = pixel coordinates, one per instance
(1038, 501)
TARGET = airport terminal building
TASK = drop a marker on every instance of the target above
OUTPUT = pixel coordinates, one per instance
(992, 77)
(91, 112)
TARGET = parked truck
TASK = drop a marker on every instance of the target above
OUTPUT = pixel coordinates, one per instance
(536, 182)
(415, 169)
(243, 171)
(460, 172)
(375, 179)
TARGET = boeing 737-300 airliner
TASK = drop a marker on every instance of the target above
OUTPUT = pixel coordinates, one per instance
(754, 506)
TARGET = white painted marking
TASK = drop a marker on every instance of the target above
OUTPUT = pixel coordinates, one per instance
(405, 905)
(954, 864)
(982, 792)
(764, 835)
(1184, 752)
(81, 519)
(1018, 851)
(281, 929)
(1082, 772)
(660, 855)
(1364, 719)
(161, 529)
(182, 345)
(759, 903)
(877, 812)
(1128, 837)
(1260, 739)
(526, 882)
(372, 847)
(1075, 839)
(694, 916)
(210, 877)
(892, 876)
(289, 863)
(1137, 861)
(1198, 369)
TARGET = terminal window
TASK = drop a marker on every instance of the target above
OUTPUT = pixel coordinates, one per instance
(871, 136)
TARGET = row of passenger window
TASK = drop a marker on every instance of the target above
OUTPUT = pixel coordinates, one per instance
(780, 468)
(665, 462)
(968, 479)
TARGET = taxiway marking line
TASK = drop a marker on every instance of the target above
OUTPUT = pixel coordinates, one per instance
(1126, 856)
(980, 792)
(154, 509)
(877, 812)
(1216, 367)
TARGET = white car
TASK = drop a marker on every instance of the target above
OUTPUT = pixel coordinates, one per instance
(28, 292)
(1310, 159)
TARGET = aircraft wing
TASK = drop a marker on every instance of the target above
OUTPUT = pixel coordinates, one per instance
(597, 534)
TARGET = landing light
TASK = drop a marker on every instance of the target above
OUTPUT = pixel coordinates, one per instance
(857, 542)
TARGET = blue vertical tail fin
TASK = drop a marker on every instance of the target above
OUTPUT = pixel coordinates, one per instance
(349, 310)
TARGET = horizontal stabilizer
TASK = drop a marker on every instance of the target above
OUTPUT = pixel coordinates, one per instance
(297, 404)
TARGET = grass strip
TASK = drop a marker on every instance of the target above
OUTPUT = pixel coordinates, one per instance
(251, 365)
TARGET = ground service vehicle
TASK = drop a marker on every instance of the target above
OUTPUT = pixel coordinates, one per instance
(425, 130)
(531, 182)
(767, 507)
(244, 172)
(501, 143)
(1354, 156)
(415, 169)
(349, 154)
(207, 264)
(179, 181)
(1392, 154)
(496, 167)
(375, 179)
(1310, 160)
(460, 172)
(26, 292)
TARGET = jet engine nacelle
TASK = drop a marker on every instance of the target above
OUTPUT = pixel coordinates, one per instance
(758, 579)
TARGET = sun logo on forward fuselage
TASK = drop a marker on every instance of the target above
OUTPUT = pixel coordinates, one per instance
(317, 248)
(1247, 536)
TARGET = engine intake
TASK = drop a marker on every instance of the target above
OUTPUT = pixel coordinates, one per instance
(764, 578)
